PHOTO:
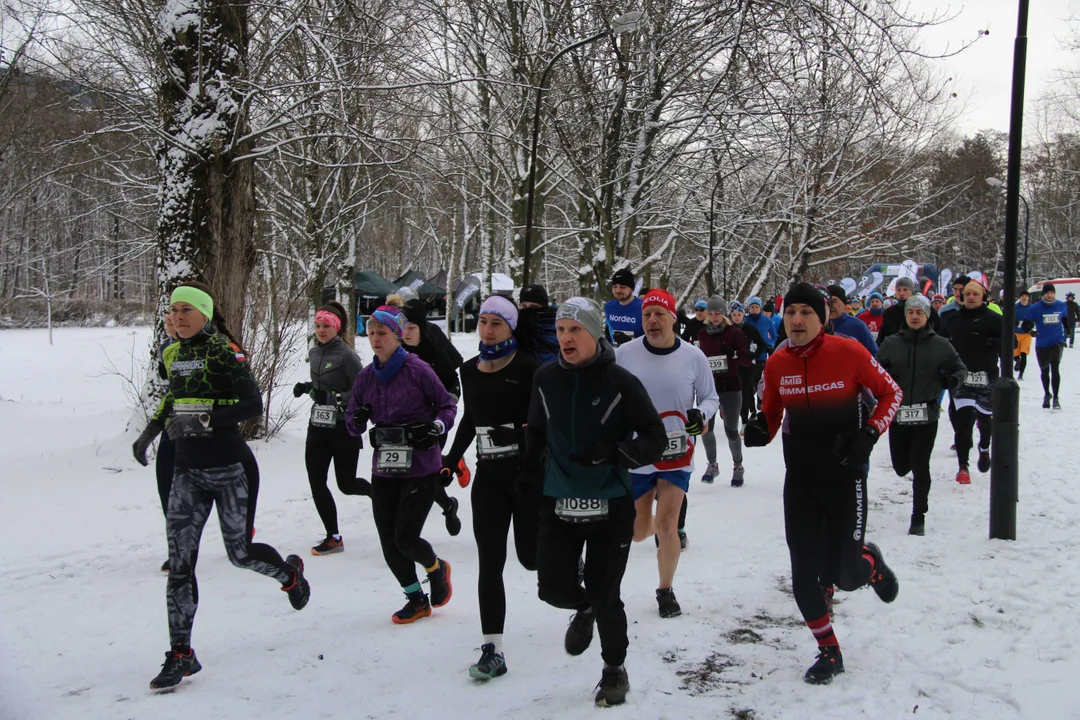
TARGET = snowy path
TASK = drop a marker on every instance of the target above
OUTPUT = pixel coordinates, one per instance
(982, 629)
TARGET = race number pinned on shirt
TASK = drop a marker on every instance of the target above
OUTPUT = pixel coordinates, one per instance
(580, 510)
(487, 449)
(1052, 319)
(676, 445)
(198, 410)
(977, 379)
(718, 363)
(393, 459)
(913, 414)
(324, 416)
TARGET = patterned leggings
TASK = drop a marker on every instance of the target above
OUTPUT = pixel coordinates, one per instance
(193, 494)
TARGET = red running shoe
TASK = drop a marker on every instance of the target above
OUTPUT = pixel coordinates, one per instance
(963, 477)
(463, 475)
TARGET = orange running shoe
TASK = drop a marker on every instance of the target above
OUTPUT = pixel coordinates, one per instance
(463, 474)
(963, 477)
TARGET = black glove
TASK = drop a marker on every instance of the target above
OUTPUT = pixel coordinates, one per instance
(447, 474)
(695, 422)
(756, 432)
(142, 444)
(422, 435)
(186, 425)
(300, 389)
(360, 419)
(504, 436)
(855, 447)
(525, 483)
(596, 453)
(1033, 332)
(321, 397)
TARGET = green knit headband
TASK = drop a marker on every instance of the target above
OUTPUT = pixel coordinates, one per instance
(195, 297)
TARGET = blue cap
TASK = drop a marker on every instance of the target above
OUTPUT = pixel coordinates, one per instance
(753, 300)
(875, 295)
(701, 305)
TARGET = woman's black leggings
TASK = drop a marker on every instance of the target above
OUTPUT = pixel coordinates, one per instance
(1049, 359)
(910, 447)
(323, 446)
(166, 458)
(496, 503)
(400, 507)
(748, 376)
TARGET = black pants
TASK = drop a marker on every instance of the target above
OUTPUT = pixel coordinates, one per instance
(825, 523)
(749, 376)
(400, 507)
(194, 493)
(607, 545)
(166, 458)
(1049, 359)
(323, 446)
(1020, 364)
(910, 447)
(496, 504)
(964, 420)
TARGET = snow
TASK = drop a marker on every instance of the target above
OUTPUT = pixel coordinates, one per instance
(981, 629)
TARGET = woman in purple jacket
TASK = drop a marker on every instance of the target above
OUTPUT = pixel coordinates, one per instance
(409, 409)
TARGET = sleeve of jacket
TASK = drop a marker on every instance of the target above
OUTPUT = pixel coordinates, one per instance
(441, 401)
(249, 398)
(742, 348)
(463, 437)
(874, 378)
(887, 353)
(953, 370)
(356, 400)
(536, 429)
(352, 365)
(771, 404)
(640, 413)
(708, 401)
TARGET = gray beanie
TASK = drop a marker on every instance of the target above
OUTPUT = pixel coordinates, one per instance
(718, 304)
(906, 282)
(585, 311)
(918, 301)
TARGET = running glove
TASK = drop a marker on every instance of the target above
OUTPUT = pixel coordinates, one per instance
(301, 389)
(695, 422)
(186, 425)
(756, 432)
(446, 474)
(360, 419)
(142, 444)
(855, 447)
(422, 435)
(596, 453)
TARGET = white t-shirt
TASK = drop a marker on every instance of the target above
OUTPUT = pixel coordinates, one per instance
(677, 379)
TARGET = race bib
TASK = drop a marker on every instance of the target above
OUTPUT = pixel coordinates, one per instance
(579, 510)
(718, 363)
(1054, 319)
(188, 409)
(393, 459)
(977, 379)
(676, 445)
(324, 415)
(488, 450)
(753, 348)
(913, 414)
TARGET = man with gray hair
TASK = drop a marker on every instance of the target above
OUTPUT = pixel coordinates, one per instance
(595, 421)
(892, 321)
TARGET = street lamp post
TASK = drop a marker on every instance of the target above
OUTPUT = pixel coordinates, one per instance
(994, 182)
(622, 24)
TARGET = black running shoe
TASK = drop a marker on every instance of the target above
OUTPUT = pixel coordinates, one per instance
(490, 665)
(177, 666)
(417, 606)
(579, 633)
(165, 566)
(669, 606)
(613, 686)
(918, 525)
(441, 589)
(829, 664)
(1046, 402)
(882, 579)
(984, 460)
(1056, 404)
(453, 522)
(329, 546)
(299, 590)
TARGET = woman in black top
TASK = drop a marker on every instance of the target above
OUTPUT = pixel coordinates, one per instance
(334, 367)
(497, 386)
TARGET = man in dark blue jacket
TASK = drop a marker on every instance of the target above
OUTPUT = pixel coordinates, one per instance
(1048, 317)
(847, 325)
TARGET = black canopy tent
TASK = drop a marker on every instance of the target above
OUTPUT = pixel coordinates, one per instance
(429, 293)
(371, 290)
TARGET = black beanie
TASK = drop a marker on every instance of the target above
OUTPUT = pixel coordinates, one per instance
(623, 277)
(415, 312)
(536, 294)
(807, 294)
(838, 292)
(1048, 287)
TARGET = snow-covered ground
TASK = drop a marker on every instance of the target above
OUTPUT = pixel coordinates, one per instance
(981, 629)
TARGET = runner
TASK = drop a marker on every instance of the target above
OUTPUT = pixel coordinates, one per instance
(409, 407)
(762, 323)
(975, 332)
(770, 312)
(1023, 334)
(957, 299)
(748, 377)
(623, 312)
(334, 366)
(585, 411)
(679, 382)
(893, 319)
(921, 362)
(818, 380)
(419, 341)
(874, 315)
(1048, 316)
(726, 349)
(536, 319)
(938, 302)
(496, 386)
(692, 326)
(211, 391)
(846, 325)
(1072, 316)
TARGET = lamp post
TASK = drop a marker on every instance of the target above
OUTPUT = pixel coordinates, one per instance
(994, 182)
(1005, 438)
(624, 23)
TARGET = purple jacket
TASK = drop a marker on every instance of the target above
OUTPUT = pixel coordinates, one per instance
(414, 395)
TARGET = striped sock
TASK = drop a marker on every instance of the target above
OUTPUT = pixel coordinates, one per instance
(410, 589)
(823, 632)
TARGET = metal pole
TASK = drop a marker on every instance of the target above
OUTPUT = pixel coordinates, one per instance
(1004, 467)
(532, 151)
(1027, 217)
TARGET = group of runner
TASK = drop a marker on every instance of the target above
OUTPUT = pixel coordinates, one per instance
(585, 420)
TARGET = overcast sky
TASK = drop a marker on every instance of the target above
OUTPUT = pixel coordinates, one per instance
(983, 73)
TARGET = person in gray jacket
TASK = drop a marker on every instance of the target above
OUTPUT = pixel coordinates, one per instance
(921, 362)
(334, 367)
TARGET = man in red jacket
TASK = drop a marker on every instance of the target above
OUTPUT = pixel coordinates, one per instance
(818, 380)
